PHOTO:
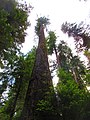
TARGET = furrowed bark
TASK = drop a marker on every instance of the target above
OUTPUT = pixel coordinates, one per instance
(40, 82)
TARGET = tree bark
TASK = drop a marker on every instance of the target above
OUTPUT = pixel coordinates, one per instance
(40, 80)
(15, 99)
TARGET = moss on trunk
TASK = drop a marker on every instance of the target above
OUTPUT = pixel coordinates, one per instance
(40, 81)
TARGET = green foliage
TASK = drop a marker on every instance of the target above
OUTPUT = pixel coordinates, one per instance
(70, 63)
(17, 80)
(41, 21)
(78, 32)
(64, 76)
(47, 104)
(86, 113)
(71, 90)
(87, 54)
(65, 55)
(13, 23)
(87, 78)
(51, 42)
(44, 105)
(72, 99)
(8, 5)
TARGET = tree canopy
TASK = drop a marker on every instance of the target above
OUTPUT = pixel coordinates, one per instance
(26, 87)
(13, 23)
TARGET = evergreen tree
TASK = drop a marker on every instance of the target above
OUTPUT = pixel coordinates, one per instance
(72, 99)
(13, 23)
(80, 33)
(17, 80)
(40, 81)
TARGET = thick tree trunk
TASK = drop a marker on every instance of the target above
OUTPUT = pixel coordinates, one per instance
(40, 81)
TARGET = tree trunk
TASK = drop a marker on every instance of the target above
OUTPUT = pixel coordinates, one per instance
(57, 57)
(40, 81)
(15, 99)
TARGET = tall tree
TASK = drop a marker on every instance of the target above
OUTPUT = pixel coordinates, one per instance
(71, 63)
(80, 33)
(13, 23)
(17, 80)
(65, 58)
(40, 81)
(52, 47)
(72, 99)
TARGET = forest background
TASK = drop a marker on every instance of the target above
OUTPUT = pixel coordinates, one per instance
(26, 89)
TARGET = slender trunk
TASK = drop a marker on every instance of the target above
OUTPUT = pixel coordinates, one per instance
(40, 81)
(76, 76)
(15, 99)
(57, 57)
